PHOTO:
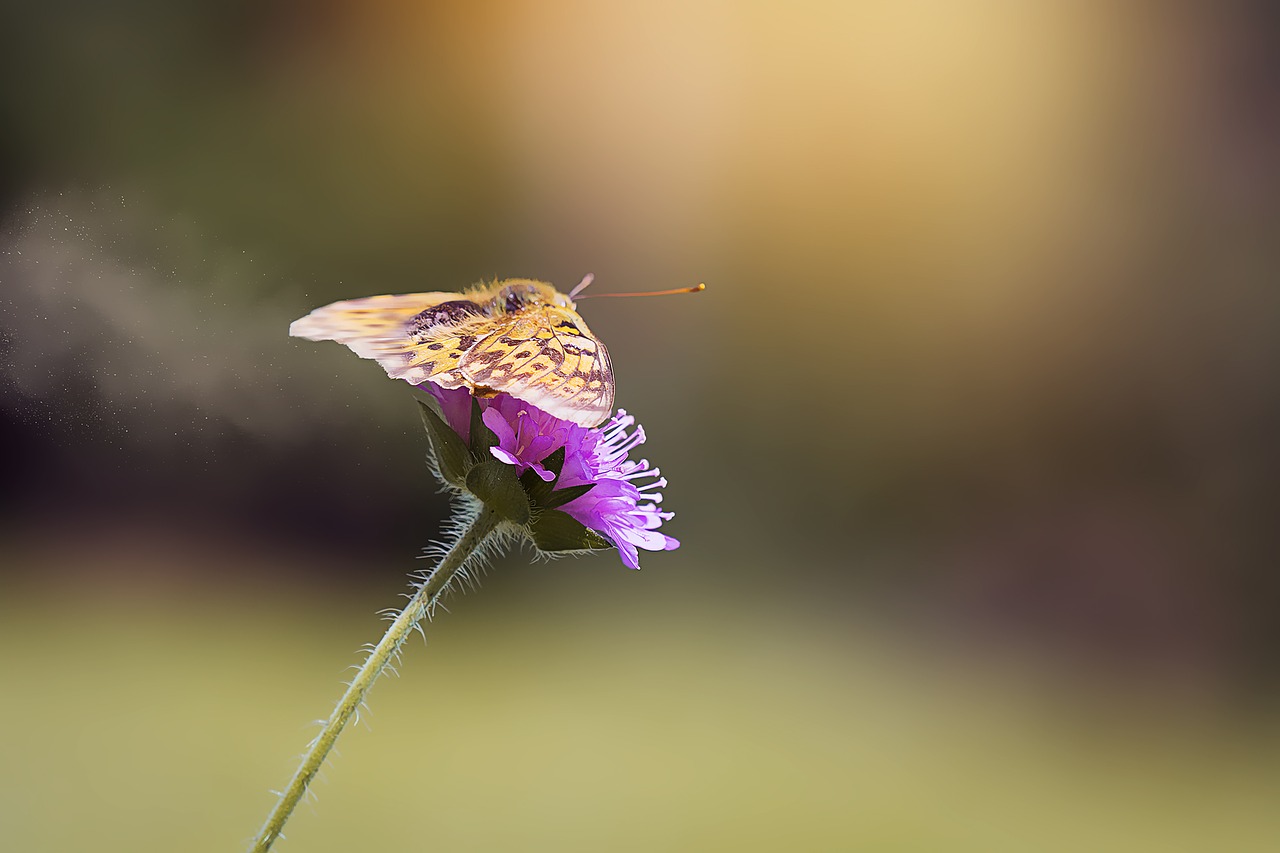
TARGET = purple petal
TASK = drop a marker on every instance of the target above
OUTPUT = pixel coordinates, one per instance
(540, 448)
(646, 539)
(455, 404)
(506, 457)
(630, 556)
(494, 420)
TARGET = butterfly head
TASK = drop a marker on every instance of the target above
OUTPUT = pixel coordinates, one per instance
(518, 294)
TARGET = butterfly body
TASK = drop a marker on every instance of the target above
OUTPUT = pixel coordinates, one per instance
(517, 336)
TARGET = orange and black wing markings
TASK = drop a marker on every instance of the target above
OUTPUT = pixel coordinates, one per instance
(546, 357)
(519, 336)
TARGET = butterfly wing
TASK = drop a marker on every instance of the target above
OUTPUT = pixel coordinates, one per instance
(417, 337)
(543, 354)
(549, 358)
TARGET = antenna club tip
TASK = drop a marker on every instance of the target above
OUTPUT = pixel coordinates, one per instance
(701, 287)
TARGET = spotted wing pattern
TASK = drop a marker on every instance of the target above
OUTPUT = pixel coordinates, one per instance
(541, 353)
(417, 337)
(546, 356)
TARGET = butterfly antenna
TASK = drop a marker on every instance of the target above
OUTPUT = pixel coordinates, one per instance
(583, 285)
(697, 288)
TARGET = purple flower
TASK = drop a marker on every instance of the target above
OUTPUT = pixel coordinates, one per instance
(624, 503)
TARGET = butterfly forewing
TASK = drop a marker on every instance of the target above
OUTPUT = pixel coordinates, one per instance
(372, 326)
(378, 327)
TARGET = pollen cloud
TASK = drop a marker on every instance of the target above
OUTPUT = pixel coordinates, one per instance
(159, 352)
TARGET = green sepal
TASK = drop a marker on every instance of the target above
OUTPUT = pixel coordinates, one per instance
(495, 483)
(451, 454)
(545, 494)
(555, 464)
(554, 530)
(482, 438)
(560, 497)
(539, 490)
(534, 486)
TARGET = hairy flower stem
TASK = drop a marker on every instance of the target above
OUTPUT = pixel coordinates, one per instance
(419, 606)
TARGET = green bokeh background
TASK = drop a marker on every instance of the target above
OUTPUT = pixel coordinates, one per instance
(971, 437)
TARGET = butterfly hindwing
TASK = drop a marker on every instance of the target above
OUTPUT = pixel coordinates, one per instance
(546, 357)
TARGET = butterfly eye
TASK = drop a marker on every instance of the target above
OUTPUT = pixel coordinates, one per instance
(520, 296)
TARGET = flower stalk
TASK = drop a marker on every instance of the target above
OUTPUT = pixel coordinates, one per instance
(516, 472)
(420, 605)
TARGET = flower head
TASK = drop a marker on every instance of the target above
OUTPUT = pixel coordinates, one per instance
(617, 497)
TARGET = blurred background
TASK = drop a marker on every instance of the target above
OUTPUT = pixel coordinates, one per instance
(971, 438)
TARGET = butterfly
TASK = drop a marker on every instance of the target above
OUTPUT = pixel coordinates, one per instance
(517, 336)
